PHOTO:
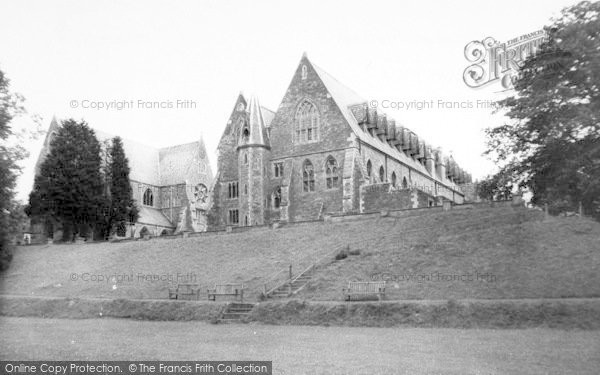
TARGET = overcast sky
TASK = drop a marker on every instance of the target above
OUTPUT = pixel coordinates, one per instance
(206, 52)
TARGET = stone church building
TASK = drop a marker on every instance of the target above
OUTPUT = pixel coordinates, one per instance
(170, 186)
(324, 151)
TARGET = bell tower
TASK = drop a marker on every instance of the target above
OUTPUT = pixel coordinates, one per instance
(253, 157)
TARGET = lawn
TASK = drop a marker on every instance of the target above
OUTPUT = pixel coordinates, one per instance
(490, 259)
(127, 269)
(307, 350)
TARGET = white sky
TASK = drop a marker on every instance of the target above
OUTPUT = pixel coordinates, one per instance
(208, 51)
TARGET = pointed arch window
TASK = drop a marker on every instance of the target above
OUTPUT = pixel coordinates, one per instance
(148, 199)
(304, 71)
(277, 197)
(307, 123)
(381, 174)
(394, 179)
(404, 183)
(331, 173)
(369, 168)
(308, 177)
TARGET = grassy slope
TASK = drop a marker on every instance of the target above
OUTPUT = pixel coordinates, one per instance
(557, 258)
(248, 257)
(528, 258)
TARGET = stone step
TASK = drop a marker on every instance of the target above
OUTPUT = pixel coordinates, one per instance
(234, 315)
(230, 321)
(241, 306)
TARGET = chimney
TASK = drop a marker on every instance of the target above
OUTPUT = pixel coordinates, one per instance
(429, 160)
(440, 167)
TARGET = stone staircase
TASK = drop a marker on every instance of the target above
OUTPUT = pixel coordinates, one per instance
(293, 287)
(235, 312)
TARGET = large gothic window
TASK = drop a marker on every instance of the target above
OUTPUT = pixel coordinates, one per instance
(148, 199)
(308, 176)
(331, 173)
(381, 174)
(394, 179)
(307, 123)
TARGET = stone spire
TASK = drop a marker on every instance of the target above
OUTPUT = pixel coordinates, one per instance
(254, 131)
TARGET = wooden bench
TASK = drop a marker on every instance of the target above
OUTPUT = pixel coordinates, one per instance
(185, 292)
(226, 290)
(364, 288)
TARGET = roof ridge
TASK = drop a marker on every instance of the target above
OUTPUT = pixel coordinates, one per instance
(320, 72)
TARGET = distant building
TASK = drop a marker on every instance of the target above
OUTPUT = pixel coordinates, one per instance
(170, 186)
(323, 151)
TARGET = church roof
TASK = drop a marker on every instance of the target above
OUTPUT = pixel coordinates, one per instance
(345, 98)
(268, 115)
(184, 163)
(153, 216)
(156, 166)
(143, 159)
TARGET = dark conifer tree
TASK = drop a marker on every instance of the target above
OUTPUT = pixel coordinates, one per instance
(123, 207)
(69, 188)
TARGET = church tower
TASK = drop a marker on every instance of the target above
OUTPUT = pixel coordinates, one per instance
(253, 157)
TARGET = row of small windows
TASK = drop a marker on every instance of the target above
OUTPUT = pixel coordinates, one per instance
(233, 190)
(331, 175)
(234, 216)
(382, 176)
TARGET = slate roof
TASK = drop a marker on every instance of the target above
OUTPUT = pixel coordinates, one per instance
(345, 98)
(184, 163)
(153, 216)
(268, 115)
(143, 159)
(165, 166)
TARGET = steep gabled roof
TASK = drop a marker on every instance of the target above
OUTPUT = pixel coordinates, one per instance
(345, 98)
(143, 159)
(268, 115)
(184, 163)
(151, 165)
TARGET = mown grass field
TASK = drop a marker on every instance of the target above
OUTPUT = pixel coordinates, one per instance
(527, 258)
(307, 350)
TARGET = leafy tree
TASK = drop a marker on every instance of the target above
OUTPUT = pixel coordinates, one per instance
(69, 187)
(10, 154)
(123, 208)
(551, 147)
(495, 187)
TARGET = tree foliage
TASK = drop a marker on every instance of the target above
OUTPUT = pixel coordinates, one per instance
(69, 187)
(123, 208)
(551, 146)
(10, 154)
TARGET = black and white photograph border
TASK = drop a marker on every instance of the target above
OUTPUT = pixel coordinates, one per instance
(314, 187)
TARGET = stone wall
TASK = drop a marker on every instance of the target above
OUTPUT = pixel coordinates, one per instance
(382, 196)
(334, 137)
